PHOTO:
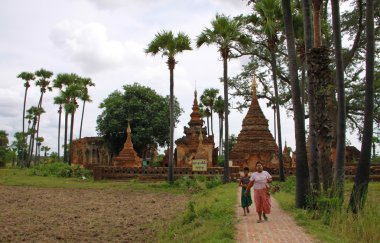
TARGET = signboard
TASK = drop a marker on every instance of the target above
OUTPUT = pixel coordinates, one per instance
(199, 165)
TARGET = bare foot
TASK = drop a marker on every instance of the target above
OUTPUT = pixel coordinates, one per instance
(259, 221)
(265, 217)
(247, 210)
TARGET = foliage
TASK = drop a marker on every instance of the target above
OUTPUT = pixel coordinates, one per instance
(198, 184)
(3, 147)
(209, 217)
(148, 112)
(60, 169)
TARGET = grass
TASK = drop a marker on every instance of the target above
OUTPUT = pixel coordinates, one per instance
(337, 225)
(209, 217)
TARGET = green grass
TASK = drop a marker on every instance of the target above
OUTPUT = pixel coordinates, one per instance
(338, 225)
(209, 217)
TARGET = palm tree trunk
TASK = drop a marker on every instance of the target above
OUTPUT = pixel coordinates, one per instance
(59, 131)
(341, 137)
(38, 120)
(226, 152)
(23, 124)
(302, 171)
(317, 22)
(171, 134)
(31, 142)
(81, 120)
(360, 189)
(71, 137)
(208, 126)
(220, 135)
(274, 71)
(65, 137)
(212, 122)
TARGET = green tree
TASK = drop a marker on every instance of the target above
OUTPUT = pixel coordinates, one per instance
(224, 33)
(169, 45)
(59, 100)
(3, 147)
(148, 112)
(302, 171)
(20, 147)
(85, 97)
(208, 99)
(33, 114)
(45, 149)
(360, 189)
(40, 140)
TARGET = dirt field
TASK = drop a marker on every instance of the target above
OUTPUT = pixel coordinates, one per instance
(75, 215)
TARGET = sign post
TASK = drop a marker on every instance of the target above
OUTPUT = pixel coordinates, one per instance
(199, 165)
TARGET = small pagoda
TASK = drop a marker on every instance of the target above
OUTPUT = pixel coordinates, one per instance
(195, 144)
(255, 142)
(127, 156)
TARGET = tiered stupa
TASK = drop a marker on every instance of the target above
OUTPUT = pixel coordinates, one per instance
(255, 142)
(127, 156)
(195, 144)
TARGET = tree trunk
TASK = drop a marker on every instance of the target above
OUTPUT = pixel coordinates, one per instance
(71, 137)
(31, 142)
(212, 122)
(341, 135)
(81, 120)
(314, 168)
(208, 125)
(23, 125)
(171, 64)
(317, 22)
(59, 131)
(226, 171)
(302, 171)
(274, 71)
(360, 189)
(221, 136)
(65, 137)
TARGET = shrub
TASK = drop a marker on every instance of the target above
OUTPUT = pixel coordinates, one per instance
(60, 169)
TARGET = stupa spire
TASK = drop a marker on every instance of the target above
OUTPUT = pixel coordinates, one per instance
(254, 88)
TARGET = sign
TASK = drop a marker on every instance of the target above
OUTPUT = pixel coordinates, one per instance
(199, 165)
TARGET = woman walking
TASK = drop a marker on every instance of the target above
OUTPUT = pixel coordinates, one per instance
(260, 181)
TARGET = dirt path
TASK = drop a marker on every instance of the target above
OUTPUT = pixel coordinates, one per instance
(77, 215)
(281, 227)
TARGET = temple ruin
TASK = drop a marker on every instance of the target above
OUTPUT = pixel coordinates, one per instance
(91, 151)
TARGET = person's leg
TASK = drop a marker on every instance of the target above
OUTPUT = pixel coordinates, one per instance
(244, 211)
(260, 220)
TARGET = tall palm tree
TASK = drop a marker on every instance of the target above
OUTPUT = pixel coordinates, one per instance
(59, 100)
(85, 97)
(43, 82)
(317, 22)
(169, 45)
(33, 114)
(208, 98)
(270, 19)
(224, 33)
(219, 109)
(45, 149)
(39, 140)
(302, 171)
(27, 77)
(341, 138)
(360, 189)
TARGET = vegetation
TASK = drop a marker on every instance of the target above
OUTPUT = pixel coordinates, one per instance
(326, 219)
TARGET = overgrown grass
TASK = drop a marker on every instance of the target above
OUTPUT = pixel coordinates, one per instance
(209, 217)
(331, 223)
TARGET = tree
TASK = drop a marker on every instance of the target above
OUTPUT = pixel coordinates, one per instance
(20, 147)
(169, 46)
(45, 149)
(208, 99)
(33, 114)
(43, 82)
(302, 171)
(219, 109)
(59, 100)
(85, 97)
(360, 189)
(40, 140)
(3, 147)
(225, 33)
(148, 112)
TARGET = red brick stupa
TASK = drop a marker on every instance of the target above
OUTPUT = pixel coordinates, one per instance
(127, 156)
(255, 142)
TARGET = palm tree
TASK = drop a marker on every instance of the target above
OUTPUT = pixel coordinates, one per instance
(341, 138)
(85, 97)
(59, 100)
(302, 171)
(43, 82)
(225, 33)
(45, 149)
(208, 99)
(270, 18)
(27, 77)
(219, 109)
(360, 189)
(317, 22)
(33, 114)
(169, 45)
(40, 140)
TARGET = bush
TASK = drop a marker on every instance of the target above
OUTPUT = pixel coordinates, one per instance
(60, 169)
(198, 183)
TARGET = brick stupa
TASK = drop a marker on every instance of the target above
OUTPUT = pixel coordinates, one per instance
(128, 156)
(195, 144)
(255, 142)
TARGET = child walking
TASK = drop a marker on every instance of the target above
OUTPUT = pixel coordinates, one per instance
(246, 199)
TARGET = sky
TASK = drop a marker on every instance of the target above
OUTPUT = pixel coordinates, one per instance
(105, 41)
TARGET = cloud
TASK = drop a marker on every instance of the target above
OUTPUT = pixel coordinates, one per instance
(116, 4)
(89, 46)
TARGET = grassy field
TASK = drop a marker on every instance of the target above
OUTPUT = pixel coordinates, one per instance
(337, 225)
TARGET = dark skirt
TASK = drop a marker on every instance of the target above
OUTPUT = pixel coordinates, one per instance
(246, 201)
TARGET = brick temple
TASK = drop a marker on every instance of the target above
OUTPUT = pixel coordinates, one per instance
(255, 142)
(127, 156)
(195, 144)
(91, 151)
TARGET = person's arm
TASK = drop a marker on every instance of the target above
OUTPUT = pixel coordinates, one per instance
(248, 187)
(269, 178)
(240, 183)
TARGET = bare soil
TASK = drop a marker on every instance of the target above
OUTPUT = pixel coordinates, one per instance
(30, 214)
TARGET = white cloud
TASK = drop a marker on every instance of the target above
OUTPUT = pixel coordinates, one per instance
(89, 46)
